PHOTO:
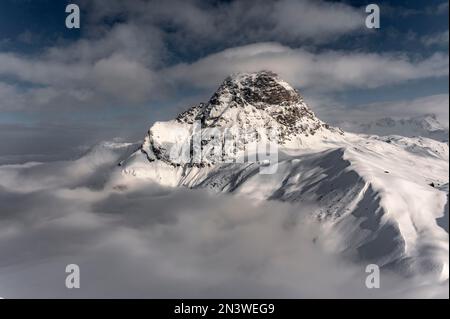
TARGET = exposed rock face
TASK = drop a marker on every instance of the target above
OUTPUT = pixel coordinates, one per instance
(263, 90)
(261, 105)
(248, 114)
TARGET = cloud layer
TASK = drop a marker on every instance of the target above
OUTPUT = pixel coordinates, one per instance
(149, 242)
(127, 80)
(324, 71)
(234, 22)
(141, 58)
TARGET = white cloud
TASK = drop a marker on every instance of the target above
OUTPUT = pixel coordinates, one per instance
(316, 19)
(10, 97)
(41, 71)
(116, 66)
(441, 8)
(117, 75)
(236, 21)
(324, 71)
(438, 39)
(126, 64)
(150, 242)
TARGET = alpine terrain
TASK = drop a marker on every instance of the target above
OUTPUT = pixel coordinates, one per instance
(384, 198)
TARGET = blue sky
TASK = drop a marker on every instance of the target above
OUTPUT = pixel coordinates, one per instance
(135, 62)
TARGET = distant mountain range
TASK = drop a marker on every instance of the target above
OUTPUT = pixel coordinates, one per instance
(426, 125)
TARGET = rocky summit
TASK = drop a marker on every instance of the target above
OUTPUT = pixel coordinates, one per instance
(259, 99)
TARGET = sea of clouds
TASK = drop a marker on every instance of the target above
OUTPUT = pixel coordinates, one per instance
(147, 241)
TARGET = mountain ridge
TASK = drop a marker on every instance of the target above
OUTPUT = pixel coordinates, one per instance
(382, 196)
(248, 108)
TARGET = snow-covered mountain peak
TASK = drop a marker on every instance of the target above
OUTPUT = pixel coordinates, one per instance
(379, 198)
(258, 88)
(247, 112)
(259, 102)
(262, 90)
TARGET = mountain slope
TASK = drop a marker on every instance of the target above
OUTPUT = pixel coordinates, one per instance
(380, 195)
